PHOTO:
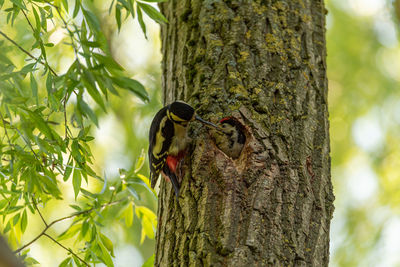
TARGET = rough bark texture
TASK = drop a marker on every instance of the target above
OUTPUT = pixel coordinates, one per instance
(264, 63)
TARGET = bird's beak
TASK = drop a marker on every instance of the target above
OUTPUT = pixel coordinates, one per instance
(208, 123)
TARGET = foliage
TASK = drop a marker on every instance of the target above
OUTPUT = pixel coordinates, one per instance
(364, 100)
(47, 115)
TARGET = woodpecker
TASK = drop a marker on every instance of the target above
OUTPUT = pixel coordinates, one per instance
(168, 140)
(232, 138)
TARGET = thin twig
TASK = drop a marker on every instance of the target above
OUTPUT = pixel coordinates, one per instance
(29, 22)
(26, 52)
(71, 35)
(33, 29)
(40, 214)
(62, 219)
(28, 143)
(68, 249)
(64, 100)
(17, 45)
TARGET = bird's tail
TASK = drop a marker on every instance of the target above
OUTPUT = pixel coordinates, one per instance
(174, 180)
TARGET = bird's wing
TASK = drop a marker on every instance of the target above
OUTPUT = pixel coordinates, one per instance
(159, 143)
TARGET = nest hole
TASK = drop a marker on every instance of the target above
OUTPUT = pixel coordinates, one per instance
(232, 137)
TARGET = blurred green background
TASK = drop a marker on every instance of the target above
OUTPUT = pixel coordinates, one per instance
(364, 104)
(364, 101)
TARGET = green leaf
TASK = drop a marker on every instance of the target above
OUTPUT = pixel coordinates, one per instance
(144, 179)
(19, 3)
(149, 221)
(76, 182)
(153, 13)
(146, 212)
(140, 161)
(76, 8)
(131, 9)
(141, 181)
(111, 6)
(16, 218)
(133, 192)
(43, 19)
(149, 262)
(118, 16)
(89, 83)
(104, 184)
(65, 4)
(29, 261)
(24, 221)
(49, 184)
(77, 262)
(88, 194)
(40, 124)
(141, 22)
(75, 207)
(11, 209)
(92, 20)
(107, 243)
(43, 145)
(28, 68)
(49, 83)
(86, 110)
(68, 171)
(108, 61)
(132, 85)
(3, 203)
(34, 88)
(7, 228)
(142, 235)
(75, 151)
(106, 258)
(70, 232)
(37, 19)
(137, 181)
(128, 214)
(107, 83)
(91, 44)
(85, 228)
(66, 263)
(148, 227)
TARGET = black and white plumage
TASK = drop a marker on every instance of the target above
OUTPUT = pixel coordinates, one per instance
(168, 140)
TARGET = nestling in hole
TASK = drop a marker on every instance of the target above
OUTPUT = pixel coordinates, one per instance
(233, 138)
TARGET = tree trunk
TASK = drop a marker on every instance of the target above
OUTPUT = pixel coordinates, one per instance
(263, 62)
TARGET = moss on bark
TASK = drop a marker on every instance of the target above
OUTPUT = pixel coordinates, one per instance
(263, 62)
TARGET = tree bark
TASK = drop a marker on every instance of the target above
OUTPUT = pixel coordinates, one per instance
(263, 62)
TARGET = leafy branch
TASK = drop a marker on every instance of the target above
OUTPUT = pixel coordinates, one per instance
(36, 151)
(26, 52)
(49, 225)
(67, 249)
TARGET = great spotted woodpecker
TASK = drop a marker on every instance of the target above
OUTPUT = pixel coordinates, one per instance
(232, 138)
(168, 140)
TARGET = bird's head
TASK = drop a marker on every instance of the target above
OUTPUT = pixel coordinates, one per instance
(181, 113)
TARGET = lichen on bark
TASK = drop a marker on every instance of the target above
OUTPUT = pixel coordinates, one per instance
(263, 62)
